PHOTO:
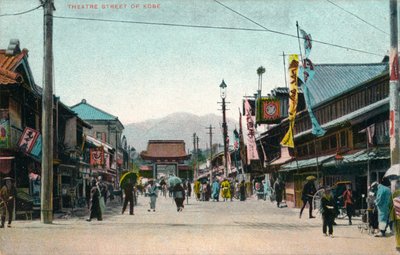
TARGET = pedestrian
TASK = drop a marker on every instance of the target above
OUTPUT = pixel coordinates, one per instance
(196, 189)
(204, 191)
(208, 191)
(328, 211)
(382, 202)
(395, 213)
(258, 190)
(225, 190)
(179, 196)
(242, 191)
(128, 190)
(348, 202)
(232, 191)
(266, 189)
(307, 196)
(215, 191)
(278, 191)
(95, 210)
(152, 193)
(189, 188)
(103, 189)
(7, 197)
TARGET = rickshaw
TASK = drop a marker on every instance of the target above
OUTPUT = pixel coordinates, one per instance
(337, 190)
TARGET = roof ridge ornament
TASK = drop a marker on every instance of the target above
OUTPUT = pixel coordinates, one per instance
(13, 48)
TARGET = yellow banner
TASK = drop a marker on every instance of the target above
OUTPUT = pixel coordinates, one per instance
(293, 98)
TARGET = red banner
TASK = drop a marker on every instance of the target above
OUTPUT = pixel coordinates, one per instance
(97, 156)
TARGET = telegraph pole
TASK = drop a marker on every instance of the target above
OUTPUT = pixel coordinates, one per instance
(211, 151)
(394, 85)
(197, 155)
(394, 96)
(46, 214)
(194, 156)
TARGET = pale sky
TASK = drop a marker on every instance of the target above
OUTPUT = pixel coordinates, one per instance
(139, 72)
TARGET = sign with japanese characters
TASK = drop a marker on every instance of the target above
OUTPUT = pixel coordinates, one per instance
(28, 139)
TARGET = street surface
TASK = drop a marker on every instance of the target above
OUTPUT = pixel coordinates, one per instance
(250, 227)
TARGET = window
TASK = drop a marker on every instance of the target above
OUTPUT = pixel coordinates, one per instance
(101, 136)
(343, 139)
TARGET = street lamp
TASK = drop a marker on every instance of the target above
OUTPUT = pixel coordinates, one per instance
(260, 72)
(222, 87)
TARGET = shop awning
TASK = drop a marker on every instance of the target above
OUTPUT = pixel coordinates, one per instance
(361, 156)
(299, 164)
(98, 143)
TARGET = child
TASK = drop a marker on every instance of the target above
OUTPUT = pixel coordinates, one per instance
(328, 211)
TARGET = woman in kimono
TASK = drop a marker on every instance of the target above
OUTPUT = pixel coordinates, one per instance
(95, 211)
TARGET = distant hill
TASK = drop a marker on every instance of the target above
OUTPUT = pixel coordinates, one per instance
(178, 126)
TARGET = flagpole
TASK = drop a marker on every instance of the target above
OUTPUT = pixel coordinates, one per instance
(298, 39)
(284, 68)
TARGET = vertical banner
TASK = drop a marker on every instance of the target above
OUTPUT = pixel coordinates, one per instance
(96, 156)
(4, 129)
(306, 73)
(293, 98)
(251, 131)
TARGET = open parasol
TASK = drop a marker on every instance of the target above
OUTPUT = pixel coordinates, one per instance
(174, 180)
(126, 178)
(393, 171)
(310, 178)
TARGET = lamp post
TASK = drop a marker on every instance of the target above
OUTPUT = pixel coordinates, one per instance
(260, 72)
(222, 87)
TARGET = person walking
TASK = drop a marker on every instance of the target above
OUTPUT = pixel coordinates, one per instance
(215, 191)
(307, 196)
(152, 192)
(266, 189)
(232, 189)
(179, 197)
(328, 211)
(242, 190)
(95, 211)
(128, 190)
(382, 202)
(348, 202)
(278, 189)
(189, 188)
(7, 198)
(196, 189)
(225, 189)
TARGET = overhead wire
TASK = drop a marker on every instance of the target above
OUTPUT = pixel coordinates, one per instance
(358, 17)
(295, 36)
(264, 29)
(23, 12)
(211, 27)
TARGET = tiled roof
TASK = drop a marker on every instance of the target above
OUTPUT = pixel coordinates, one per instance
(8, 77)
(331, 80)
(165, 149)
(88, 112)
(8, 63)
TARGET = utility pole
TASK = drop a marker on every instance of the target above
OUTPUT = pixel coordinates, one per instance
(394, 85)
(197, 155)
(211, 151)
(195, 173)
(46, 207)
(394, 95)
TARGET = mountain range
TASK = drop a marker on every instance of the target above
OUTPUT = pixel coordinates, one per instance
(179, 126)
